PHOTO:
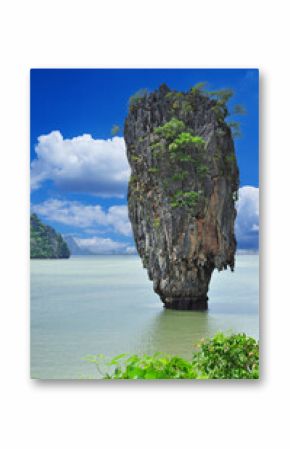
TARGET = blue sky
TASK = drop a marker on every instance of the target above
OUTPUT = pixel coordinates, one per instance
(79, 173)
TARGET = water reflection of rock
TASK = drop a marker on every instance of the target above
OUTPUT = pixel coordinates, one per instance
(176, 332)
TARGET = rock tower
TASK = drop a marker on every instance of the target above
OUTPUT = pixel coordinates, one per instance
(182, 191)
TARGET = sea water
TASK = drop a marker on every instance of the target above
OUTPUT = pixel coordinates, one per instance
(105, 304)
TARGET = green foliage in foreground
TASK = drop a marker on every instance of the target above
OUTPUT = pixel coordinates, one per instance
(233, 357)
(221, 357)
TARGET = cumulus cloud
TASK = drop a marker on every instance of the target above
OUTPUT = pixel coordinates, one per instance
(247, 223)
(93, 218)
(81, 164)
(131, 250)
(76, 214)
(97, 245)
(117, 217)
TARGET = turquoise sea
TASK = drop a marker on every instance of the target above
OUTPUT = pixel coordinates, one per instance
(106, 304)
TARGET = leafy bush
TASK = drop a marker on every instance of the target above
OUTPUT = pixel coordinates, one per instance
(137, 96)
(175, 98)
(198, 87)
(153, 170)
(221, 357)
(222, 96)
(182, 157)
(186, 107)
(184, 199)
(158, 366)
(235, 127)
(178, 139)
(202, 169)
(170, 129)
(136, 158)
(220, 112)
(156, 223)
(156, 147)
(233, 357)
(185, 141)
(133, 179)
(170, 95)
(180, 176)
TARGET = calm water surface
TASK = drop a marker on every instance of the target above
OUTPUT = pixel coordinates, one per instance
(105, 304)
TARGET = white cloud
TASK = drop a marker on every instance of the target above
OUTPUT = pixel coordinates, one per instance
(247, 223)
(117, 217)
(131, 250)
(97, 245)
(93, 218)
(81, 164)
(76, 214)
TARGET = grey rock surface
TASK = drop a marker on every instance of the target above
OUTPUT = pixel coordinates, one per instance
(182, 191)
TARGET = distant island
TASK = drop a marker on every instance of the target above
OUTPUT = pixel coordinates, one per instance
(45, 242)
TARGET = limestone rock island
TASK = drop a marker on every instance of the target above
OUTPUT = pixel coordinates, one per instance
(182, 190)
(45, 242)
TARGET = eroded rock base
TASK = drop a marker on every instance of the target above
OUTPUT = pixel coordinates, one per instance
(200, 303)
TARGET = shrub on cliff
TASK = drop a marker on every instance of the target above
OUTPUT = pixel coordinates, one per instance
(134, 99)
(221, 357)
(171, 129)
(185, 141)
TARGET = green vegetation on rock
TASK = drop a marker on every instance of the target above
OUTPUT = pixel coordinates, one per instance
(221, 357)
(198, 87)
(185, 141)
(184, 147)
(186, 178)
(171, 129)
(235, 127)
(45, 242)
(136, 158)
(156, 223)
(201, 169)
(185, 199)
(153, 170)
(136, 97)
(180, 176)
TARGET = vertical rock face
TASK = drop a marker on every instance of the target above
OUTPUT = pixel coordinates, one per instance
(182, 191)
